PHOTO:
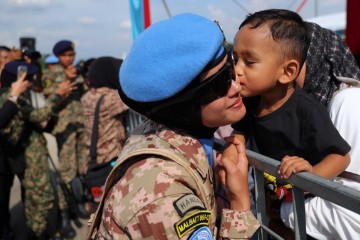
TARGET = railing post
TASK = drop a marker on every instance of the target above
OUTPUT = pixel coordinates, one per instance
(260, 202)
(299, 213)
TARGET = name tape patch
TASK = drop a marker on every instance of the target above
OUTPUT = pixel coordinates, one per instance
(199, 218)
(187, 203)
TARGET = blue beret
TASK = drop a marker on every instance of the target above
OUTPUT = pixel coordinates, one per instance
(52, 59)
(168, 56)
(62, 46)
(11, 67)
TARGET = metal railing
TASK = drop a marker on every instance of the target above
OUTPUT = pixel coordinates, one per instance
(132, 119)
(301, 182)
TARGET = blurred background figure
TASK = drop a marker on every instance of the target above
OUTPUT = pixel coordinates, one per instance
(68, 128)
(8, 109)
(5, 56)
(26, 152)
(107, 141)
(50, 62)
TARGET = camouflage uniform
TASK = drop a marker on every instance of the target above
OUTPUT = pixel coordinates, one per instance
(24, 131)
(69, 129)
(162, 188)
(111, 131)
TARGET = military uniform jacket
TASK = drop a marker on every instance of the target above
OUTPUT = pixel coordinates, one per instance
(162, 188)
(69, 112)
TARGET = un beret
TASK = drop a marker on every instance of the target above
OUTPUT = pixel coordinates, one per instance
(52, 59)
(11, 67)
(62, 46)
(168, 56)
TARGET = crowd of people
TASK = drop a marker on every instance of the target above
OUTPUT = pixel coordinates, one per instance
(287, 89)
(67, 114)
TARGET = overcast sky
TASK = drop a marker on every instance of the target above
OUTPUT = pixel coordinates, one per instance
(103, 27)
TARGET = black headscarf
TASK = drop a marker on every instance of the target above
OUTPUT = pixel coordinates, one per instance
(328, 56)
(104, 72)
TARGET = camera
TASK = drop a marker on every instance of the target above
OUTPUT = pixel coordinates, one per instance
(79, 68)
(27, 46)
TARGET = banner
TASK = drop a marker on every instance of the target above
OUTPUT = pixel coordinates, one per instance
(352, 26)
(140, 16)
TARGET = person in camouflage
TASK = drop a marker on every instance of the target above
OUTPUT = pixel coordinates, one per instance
(162, 186)
(104, 81)
(26, 146)
(69, 128)
(8, 110)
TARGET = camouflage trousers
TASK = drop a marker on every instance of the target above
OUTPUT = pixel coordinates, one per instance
(72, 160)
(39, 194)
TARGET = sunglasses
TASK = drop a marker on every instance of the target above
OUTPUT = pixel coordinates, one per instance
(208, 90)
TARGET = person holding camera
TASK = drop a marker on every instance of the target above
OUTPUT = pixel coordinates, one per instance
(68, 128)
(26, 152)
(8, 110)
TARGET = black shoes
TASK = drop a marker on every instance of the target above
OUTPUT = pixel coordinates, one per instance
(82, 212)
(7, 233)
(66, 230)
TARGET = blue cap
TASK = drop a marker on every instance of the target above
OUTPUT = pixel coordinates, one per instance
(62, 46)
(52, 59)
(11, 67)
(168, 56)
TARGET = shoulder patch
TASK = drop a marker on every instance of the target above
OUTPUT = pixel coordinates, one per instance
(187, 203)
(202, 233)
(199, 218)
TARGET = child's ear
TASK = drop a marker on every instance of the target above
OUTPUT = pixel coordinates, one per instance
(290, 71)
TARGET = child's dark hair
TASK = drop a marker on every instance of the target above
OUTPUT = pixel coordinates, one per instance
(286, 27)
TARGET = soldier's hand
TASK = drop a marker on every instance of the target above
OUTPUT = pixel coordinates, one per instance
(235, 176)
(66, 87)
(70, 72)
(20, 86)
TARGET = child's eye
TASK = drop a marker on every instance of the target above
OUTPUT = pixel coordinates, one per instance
(248, 62)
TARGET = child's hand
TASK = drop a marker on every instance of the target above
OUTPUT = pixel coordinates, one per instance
(293, 164)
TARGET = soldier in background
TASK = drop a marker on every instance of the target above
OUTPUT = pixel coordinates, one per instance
(8, 109)
(68, 129)
(26, 152)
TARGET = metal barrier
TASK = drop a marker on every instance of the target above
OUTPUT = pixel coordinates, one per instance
(301, 182)
(132, 119)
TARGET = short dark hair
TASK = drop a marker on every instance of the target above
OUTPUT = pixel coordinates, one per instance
(286, 27)
(4, 48)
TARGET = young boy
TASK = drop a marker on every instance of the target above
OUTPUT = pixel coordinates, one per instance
(282, 122)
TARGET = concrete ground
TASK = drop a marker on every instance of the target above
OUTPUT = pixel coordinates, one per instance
(16, 207)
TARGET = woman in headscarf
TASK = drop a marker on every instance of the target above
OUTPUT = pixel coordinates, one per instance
(104, 81)
(331, 75)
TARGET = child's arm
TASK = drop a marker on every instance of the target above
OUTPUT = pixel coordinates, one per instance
(331, 166)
